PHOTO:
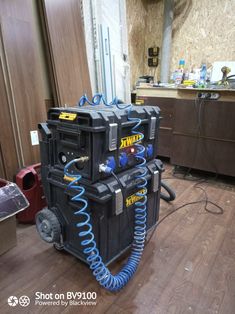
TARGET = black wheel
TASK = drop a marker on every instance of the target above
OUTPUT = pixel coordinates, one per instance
(58, 246)
(48, 226)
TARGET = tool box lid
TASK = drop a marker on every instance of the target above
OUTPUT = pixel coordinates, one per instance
(99, 116)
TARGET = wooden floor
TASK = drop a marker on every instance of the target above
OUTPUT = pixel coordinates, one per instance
(187, 267)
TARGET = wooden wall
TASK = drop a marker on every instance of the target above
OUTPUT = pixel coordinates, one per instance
(153, 35)
(136, 23)
(8, 153)
(202, 31)
(144, 23)
(31, 80)
(23, 103)
(66, 45)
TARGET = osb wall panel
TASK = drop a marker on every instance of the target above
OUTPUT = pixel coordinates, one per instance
(203, 31)
(144, 22)
(136, 25)
(153, 35)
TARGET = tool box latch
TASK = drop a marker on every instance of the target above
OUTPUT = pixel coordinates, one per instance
(152, 128)
(155, 181)
(113, 136)
(118, 201)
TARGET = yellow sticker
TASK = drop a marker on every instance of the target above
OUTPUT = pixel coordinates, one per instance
(139, 101)
(130, 140)
(132, 199)
(68, 116)
(70, 179)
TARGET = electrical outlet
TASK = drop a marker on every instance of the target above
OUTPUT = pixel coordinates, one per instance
(153, 51)
(215, 96)
(208, 95)
(152, 62)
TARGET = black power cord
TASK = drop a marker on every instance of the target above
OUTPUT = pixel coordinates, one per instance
(168, 198)
(171, 194)
(206, 202)
(171, 197)
(117, 179)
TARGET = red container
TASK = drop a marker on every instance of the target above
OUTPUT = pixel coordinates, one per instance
(29, 181)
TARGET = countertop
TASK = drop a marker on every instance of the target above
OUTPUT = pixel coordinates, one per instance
(143, 91)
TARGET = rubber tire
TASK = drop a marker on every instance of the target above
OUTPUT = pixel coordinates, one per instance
(49, 218)
(58, 246)
(171, 194)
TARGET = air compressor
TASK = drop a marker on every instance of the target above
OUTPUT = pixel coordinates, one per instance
(102, 183)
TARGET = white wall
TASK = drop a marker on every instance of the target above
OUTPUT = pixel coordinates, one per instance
(111, 14)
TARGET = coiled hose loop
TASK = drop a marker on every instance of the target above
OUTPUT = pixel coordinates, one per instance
(97, 99)
(100, 271)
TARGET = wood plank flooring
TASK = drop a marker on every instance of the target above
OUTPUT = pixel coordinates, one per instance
(188, 265)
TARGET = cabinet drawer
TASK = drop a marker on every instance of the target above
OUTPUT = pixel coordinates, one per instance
(164, 142)
(213, 119)
(166, 106)
(204, 154)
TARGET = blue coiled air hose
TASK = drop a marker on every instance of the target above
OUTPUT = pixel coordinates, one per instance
(100, 271)
(97, 99)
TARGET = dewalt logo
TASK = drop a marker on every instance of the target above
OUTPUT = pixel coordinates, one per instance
(130, 200)
(129, 140)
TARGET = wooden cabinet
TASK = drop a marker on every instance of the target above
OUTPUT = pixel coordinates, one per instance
(204, 135)
(196, 133)
(166, 126)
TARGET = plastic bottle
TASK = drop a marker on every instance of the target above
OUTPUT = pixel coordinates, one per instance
(178, 77)
(203, 74)
(186, 74)
(181, 64)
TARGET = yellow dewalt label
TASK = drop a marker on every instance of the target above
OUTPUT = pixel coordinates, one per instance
(68, 116)
(130, 200)
(129, 140)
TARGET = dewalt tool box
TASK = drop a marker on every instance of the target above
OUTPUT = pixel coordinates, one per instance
(101, 133)
(111, 205)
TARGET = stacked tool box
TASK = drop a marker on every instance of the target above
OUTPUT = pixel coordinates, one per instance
(102, 135)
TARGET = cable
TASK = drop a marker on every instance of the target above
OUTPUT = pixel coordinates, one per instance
(100, 271)
(121, 187)
(187, 176)
(171, 194)
(206, 201)
(117, 179)
(196, 185)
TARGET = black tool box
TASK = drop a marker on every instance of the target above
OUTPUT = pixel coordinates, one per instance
(101, 133)
(111, 207)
